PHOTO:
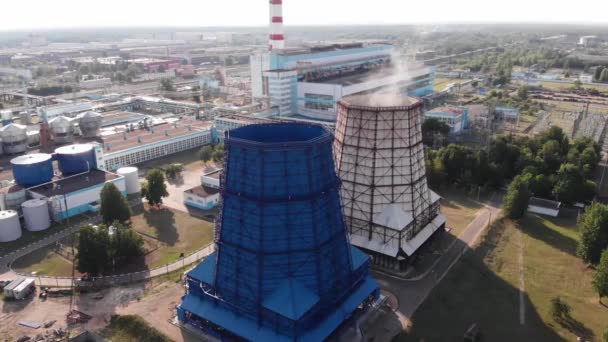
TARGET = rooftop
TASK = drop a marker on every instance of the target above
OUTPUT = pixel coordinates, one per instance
(359, 77)
(454, 111)
(114, 117)
(384, 101)
(544, 203)
(202, 191)
(215, 174)
(61, 185)
(126, 140)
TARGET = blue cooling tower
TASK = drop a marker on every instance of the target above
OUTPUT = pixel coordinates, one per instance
(283, 269)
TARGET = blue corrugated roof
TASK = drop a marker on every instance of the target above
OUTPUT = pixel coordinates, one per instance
(291, 299)
(359, 258)
(205, 271)
(249, 329)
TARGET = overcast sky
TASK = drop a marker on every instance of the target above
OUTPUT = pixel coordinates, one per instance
(25, 14)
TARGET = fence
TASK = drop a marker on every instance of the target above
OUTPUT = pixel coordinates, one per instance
(122, 279)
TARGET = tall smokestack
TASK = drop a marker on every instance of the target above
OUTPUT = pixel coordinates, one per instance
(276, 39)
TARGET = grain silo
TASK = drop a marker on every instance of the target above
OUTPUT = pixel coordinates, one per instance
(90, 124)
(10, 227)
(131, 175)
(14, 138)
(62, 130)
(379, 155)
(36, 214)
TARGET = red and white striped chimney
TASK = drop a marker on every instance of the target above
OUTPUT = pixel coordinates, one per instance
(276, 39)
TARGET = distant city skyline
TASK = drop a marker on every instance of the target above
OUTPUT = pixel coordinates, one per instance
(43, 14)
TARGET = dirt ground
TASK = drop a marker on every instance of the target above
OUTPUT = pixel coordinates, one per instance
(155, 303)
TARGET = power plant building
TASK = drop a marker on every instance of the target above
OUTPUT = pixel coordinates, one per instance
(283, 269)
(389, 210)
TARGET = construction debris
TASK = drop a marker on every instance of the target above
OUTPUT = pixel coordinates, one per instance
(29, 324)
(75, 317)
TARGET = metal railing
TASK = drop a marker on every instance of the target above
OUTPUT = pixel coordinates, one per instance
(121, 279)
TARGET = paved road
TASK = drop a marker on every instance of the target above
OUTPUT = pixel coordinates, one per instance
(412, 293)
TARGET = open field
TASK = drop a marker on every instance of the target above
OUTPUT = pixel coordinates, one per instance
(44, 262)
(458, 208)
(132, 328)
(167, 234)
(483, 288)
(559, 86)
(178, 232)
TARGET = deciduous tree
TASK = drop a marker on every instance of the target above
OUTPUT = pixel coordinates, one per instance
(593, 227)
(516, 200)
(114, 206)
(600, 278)
(156, 189)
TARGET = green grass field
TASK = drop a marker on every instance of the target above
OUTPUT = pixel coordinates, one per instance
(128, 328)
(45, 262)
(558, 86)
(177, 231)
(458, 208)
(483, 288)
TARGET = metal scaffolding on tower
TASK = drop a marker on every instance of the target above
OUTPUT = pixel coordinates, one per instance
(389, 210)
(283, 270)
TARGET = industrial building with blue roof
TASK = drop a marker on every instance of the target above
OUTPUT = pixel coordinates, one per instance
(283, 269)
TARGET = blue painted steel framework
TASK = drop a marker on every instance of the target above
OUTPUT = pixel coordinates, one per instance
(283, 269)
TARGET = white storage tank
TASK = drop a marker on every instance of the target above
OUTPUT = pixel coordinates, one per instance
(10, 228)
(36, 215)
(131, 179)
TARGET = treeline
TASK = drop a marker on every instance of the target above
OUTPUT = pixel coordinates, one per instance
(549, 165)
(49, 90)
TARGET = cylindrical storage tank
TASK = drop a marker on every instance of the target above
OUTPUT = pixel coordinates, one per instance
(10, 228)
(90, 123)
(36, 215)
(32, 169)
(75, 158)
(131, 179)
(62, 130)
(14, 138)
(14, 196)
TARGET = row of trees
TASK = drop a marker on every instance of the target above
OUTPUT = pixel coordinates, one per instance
(212, 152)
(593, 244)
(601, 74)
(549, 166)
(48, 90)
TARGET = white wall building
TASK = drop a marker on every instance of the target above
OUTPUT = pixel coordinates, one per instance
(141, 149)
(544, 207)
(206, 195)
(67, 109)
(79, 194)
